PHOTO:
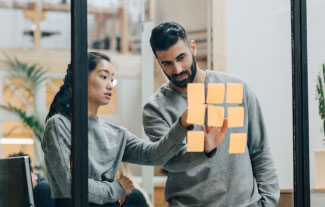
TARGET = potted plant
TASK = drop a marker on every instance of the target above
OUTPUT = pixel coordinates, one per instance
(320, 154)
(33, 76)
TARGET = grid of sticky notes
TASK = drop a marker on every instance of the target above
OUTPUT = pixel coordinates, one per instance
(217, 93)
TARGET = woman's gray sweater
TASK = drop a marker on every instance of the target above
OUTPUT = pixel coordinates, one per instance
(108, 146)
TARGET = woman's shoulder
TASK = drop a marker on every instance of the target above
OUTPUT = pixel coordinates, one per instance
(58, 120)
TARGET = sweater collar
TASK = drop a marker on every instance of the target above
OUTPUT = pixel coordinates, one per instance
(93, 121)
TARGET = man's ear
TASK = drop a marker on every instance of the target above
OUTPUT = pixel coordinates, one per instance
(193, 47)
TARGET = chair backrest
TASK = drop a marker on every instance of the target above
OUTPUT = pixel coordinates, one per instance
(15, 182)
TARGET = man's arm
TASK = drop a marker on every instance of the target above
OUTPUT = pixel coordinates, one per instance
(260, 155)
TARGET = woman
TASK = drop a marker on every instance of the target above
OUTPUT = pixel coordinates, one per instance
(108, 144)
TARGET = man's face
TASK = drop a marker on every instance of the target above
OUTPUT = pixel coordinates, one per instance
(178, 63)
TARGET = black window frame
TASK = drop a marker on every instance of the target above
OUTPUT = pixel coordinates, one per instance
(300, 103)
(79, 119)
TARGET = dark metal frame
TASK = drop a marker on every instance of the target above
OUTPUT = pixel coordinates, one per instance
(300, 104)
(79, 122)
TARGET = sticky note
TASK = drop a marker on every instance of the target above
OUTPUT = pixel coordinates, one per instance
(237, 143)
(196, 114)
(216, 115)
(235, 117)
(234, 93)
(216, 93)
(195, 141)
(195, 93)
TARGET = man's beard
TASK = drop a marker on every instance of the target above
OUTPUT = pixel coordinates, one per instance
(191, 75)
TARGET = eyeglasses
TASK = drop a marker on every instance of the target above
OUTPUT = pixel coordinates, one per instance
(114, 82)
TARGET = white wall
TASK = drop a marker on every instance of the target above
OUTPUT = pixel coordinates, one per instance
(316, 57)
(259, 50)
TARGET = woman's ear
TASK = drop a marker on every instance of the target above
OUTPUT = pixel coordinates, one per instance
(193, 47)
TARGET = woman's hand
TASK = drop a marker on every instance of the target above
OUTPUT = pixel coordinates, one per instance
(127, 184)
(214, 136)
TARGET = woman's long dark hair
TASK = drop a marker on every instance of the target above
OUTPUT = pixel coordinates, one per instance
(61, 103)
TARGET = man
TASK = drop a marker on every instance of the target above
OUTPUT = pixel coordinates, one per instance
(223, 180)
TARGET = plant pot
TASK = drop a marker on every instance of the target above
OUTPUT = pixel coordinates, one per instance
(320, 168)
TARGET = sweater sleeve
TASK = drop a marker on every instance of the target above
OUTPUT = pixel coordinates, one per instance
(56, 146)
(155, 128)
(144, 152)
(260, 155)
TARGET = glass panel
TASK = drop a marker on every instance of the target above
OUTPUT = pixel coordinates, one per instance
(114, 30)
(316, 61)
(259, 51)
(34, 53)
(251, 40)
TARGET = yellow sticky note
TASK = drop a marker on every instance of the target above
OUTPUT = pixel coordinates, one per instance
(216, 93)
(237, 143)
(235, 117)
(234, 93)
(196, 114)
(195, 141)
(195, 93)
(216, 115)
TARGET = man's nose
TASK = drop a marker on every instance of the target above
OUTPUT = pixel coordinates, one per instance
(177, 68)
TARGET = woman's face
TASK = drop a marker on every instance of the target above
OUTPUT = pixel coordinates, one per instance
(100, 83)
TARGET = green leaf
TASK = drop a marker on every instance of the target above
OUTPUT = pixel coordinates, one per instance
(320, 97)
(31, 121)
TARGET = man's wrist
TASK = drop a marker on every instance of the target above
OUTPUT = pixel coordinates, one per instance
(211, 153)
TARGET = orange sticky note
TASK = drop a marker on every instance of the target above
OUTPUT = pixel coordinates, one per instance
(237, 143)
(196, 114)
(234, 93)
(216, 93)
(235, 116)
(216, 115)
(195, 93)
(195, 141)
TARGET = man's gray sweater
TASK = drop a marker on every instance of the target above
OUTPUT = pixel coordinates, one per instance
(108, 146)
(225, 180)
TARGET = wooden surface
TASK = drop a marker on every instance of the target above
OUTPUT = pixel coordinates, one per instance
(285, 199)
(159, 196)
(286, 196)
(219, 59)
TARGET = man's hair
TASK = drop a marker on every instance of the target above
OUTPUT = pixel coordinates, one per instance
(22, 154)
(166, 35)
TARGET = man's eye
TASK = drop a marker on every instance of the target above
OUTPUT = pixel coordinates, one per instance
(181, 57)
(103, 76)
(166, 64)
